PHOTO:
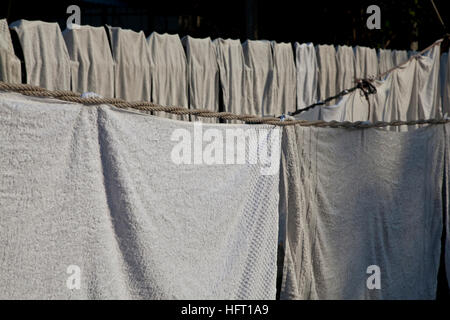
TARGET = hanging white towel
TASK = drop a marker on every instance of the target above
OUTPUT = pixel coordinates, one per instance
(96, 197)
(364, 208)
(10, 68)
(399, 56)
(326, 58)
(235, 77)
(345, 63)
(168, 70)
(89, 47)
(285, 86)
(385, 60)
(352, 107)
(258, 57)
(366, 62)
(131, 64)
(307, 74)
(203, 75)
(47, 61)
(445, 83)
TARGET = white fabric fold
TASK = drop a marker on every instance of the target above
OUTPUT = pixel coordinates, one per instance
(366, 62)
(307, 74)
(203, 75)
(285, 86)
(10, 68)
(47, 61)
(168, 70)
(99, 192)
(345, 63)
(131, 64)
(88, 46)
(362, 206)
(385, 60)
(326, 59)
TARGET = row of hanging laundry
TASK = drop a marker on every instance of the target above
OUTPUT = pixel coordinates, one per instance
(255, 77)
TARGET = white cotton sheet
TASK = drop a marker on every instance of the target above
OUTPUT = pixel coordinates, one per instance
(366, 62)
(345, 63)
(362, 206)
(131, 64)
(326, 60)
(285, 86)
(89, 47)
(203, 75)
(168, 72)
(98, 192)
(385, 60)
(47, 62)
(258, 58)
(10, 68)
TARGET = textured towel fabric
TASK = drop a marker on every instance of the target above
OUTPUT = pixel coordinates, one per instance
(385, 60)
(358, 199)
(285, 86)
(89, 47)
(203, 75)
(258, 58)
(445, 82)
(10, 69)
(131, 64)
(168, 70)
(307, 74)
(345, 63)
(96, 189)
(47, 61)
(326, 58)
(447, 196)
(235, 76)
(366, 62)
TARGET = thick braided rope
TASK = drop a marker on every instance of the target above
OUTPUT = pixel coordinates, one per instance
(70, 96)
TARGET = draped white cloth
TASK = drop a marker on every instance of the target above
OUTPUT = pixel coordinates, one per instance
(10, 68)
(385, 60)
(366, 62)
(307, 74)
(345, 63)
(445, 83)
(363, 207)
(47, 61)
(285, 86)
(203, 75)
(168, 71)
(131, 64)
(399, 56)
(326, 60)
(258, 58)
(95, 204)
(89, 47)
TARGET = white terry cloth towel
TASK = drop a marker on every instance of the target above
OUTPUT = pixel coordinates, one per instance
(235, 76)
(10, 68)
(385, 60)
(131, 64)
(345, 63)
(307, 74)
(285, 85)
(366, 62)
(445, 83)
(326, 58)
(203, 75)
(258, 57)
(364, 208)
(399, 56)
(47, 61)
(96, 205)
(447, 196)
(89, 47)
(168, 72)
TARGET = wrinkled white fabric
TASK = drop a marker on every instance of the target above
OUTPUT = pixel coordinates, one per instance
(345, 63)
(259, 60)
(285, 86)
(131, 64)
(385, 60)
(235, 76)
(366, 62)
(445, 83)
(203, 75)
(168, 70)
(307, 74)
(89, 47)
(362, 198)
(10, 68)
(95, 191)
(326, 59)
(47, 62)
(399, 56)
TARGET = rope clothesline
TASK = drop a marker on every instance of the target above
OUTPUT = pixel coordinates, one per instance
(70, 96)
(364, 84)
